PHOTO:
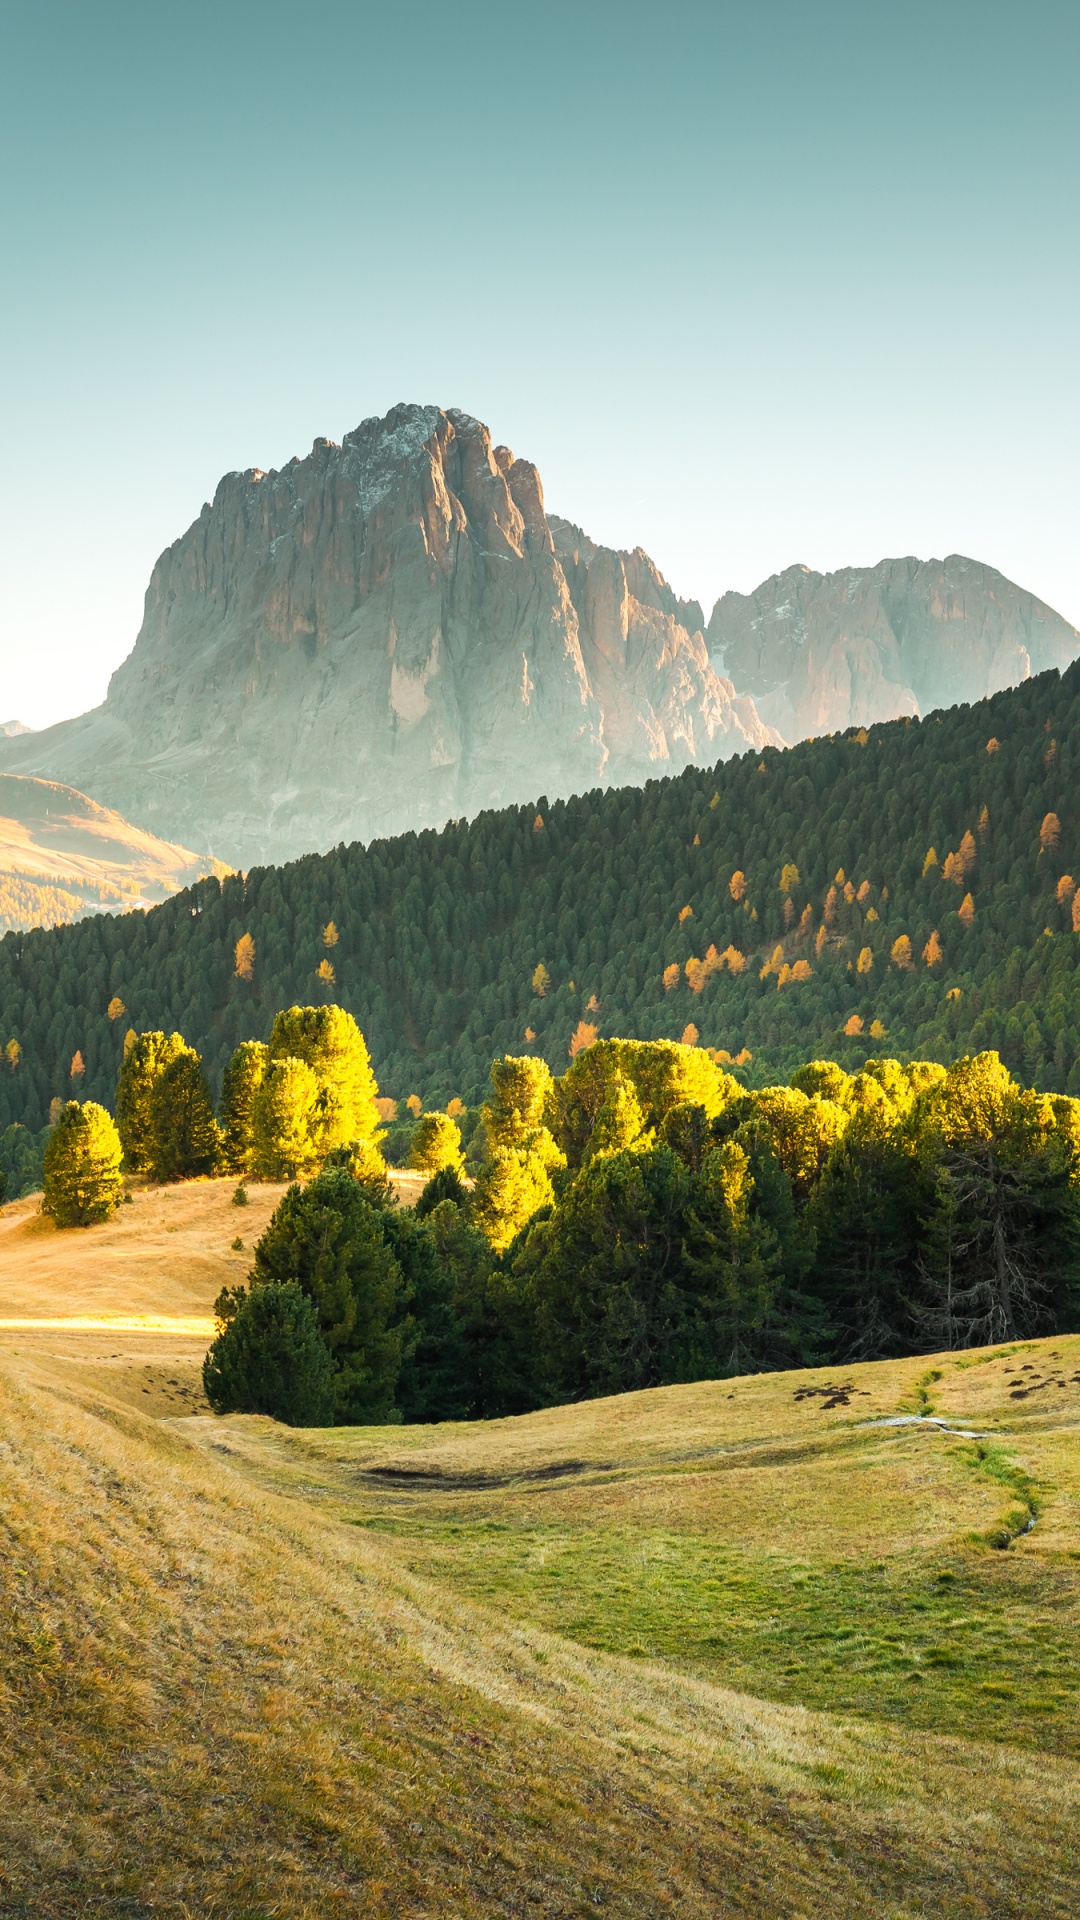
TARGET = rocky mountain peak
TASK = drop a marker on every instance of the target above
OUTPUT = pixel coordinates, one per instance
(385, 634)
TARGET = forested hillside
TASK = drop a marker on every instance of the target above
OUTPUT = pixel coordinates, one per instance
(907, 889)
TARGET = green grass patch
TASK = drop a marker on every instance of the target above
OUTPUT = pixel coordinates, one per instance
(967, 1647)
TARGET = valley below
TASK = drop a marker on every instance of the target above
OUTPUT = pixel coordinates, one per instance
(790, 1644)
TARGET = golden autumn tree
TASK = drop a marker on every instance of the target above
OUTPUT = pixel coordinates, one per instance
(900, 952)
(737, 885)
(330, 934)
(1049, 832)
(116, 1008)
(584, 1035)
(932, 952)
(541, 980)
(966, 910)
(671, 976)
(244, 957)
(865, 961)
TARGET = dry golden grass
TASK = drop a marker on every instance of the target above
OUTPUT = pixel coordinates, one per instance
(222, 1696)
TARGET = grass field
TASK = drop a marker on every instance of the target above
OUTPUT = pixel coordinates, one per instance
(734, 1648)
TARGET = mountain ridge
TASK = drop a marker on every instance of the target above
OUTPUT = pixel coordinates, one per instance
(821, 652)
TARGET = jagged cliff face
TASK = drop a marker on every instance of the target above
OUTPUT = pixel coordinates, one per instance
(386, 635)
(820, 652)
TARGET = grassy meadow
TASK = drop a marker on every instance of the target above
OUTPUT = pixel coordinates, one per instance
(798, 1644)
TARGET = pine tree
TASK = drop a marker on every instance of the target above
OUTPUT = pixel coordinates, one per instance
(144, 1062)
(436, 1143)
(82, 1179)
(330, 1239)
(271, 1359)
(185, 1139)
(243, 1077)
(286, 1129)
(330, 1042)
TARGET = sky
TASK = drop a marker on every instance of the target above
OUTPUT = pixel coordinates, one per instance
(752, 284)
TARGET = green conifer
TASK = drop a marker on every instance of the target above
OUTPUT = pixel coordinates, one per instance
(82, 1177)
(271, 1358)
(185, 1139)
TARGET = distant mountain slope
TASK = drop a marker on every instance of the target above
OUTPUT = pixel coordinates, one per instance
(63, 856)
(821, 652)
(907, 889)
(383, 636)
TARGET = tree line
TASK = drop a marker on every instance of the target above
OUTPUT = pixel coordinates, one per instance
(643, 1219)
(909, 889)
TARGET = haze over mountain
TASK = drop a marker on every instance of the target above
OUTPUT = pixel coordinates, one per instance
(62, 856)
(386, 635)
(820, 652)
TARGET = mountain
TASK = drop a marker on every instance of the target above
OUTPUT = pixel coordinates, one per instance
(386, 635)
(11, 728)
(820, 652)
(63, 856)
(907, 888)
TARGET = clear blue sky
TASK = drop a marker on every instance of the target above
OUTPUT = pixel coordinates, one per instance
(752, 283)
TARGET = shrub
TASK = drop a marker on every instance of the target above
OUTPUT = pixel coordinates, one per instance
(82, 1166)
(271, 1358)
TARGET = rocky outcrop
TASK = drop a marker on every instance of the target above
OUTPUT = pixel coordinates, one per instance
(820, 652)
(383, 636)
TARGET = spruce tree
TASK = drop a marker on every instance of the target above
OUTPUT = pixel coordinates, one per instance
(82, 1179)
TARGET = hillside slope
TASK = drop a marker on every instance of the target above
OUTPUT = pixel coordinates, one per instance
(734, 1648)
(820, 652)
(384, 636)
(626, 899)
(62, 856)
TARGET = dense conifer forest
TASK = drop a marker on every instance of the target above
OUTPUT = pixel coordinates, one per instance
(906, 889)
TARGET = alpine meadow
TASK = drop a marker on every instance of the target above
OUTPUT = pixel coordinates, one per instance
(540, 963)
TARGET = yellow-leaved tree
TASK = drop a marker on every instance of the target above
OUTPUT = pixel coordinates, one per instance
(329, 1041)
(436, 1143)
(515, 1180)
